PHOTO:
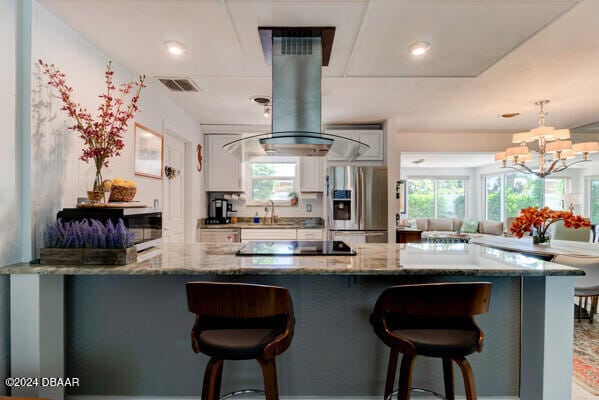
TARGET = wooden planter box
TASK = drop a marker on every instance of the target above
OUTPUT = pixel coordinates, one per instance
(53, 256)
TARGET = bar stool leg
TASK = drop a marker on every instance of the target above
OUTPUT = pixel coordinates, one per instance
(468, 377)
(210, 390)
(579, 308)
(269, 371)
(391, 369)
(218, 382)
(405, 377)
(448, 378)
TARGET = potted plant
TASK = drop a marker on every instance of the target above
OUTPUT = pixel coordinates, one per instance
(293, 198)
(88, 243)
(538, 220)
(102, 135)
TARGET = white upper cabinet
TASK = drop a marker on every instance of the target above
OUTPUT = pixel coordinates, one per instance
(373, 138)
(311, 174)
(224, 169)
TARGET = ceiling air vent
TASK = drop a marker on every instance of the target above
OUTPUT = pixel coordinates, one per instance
(179, 84)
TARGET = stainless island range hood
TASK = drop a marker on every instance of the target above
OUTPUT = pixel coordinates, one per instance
(297, 55)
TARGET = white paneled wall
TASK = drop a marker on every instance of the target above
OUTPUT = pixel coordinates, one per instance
(9, 215)
(9, 188)
(58, 177)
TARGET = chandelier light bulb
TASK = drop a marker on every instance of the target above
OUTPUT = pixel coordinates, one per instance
(554, 143)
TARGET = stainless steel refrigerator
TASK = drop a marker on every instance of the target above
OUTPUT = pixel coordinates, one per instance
(357, 204)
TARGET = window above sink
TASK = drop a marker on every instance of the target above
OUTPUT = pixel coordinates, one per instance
(271, 178)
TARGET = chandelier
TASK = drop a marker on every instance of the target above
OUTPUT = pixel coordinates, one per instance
(555, 149)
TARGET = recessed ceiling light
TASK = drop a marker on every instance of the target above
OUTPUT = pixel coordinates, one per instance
(419, 48)
(267, 111)
(174, 47)
(262, 100)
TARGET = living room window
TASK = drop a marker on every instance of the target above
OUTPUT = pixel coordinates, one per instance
(507, 194)
(494, 197)
(521, 191)
(595, 201)
(436, 198)
(555, 190)
(272, 179)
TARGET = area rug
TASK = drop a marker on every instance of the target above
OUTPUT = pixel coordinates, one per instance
(586, 355)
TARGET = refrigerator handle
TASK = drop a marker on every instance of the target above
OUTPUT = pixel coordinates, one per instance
(358, 196)
(362, 198)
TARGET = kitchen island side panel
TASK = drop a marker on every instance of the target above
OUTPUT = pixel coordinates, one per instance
(129, 336)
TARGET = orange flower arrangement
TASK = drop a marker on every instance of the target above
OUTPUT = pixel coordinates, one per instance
(540, 219)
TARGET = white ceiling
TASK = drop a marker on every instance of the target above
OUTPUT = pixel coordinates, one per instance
(446, 160)
(488, 57)
(468, 160)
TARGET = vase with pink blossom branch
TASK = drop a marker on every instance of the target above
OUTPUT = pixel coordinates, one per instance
(103, 134)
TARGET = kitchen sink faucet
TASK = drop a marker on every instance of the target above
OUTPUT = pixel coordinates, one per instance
(272, 213)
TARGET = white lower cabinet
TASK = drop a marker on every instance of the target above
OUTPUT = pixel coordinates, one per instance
(268, 234)
(277, 234)
(310, 234)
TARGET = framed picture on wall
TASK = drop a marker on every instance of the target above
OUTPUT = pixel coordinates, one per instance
(400, 196)
(148, 152)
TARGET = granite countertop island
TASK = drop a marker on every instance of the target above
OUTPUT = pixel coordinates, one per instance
(371, 259)
(528, 329)
(526, 246)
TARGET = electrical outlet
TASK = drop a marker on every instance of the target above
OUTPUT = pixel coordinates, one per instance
(308, 207)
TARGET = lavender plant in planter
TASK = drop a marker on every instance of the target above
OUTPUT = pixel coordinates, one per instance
(88, 243)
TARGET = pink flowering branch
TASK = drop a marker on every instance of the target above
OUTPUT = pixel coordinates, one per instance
(103, 136)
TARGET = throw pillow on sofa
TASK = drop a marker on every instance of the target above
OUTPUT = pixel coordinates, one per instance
(469, 226)
(493, 228)
(440, 224)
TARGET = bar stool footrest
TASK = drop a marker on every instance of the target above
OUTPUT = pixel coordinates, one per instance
(418, 390)
(240, 392)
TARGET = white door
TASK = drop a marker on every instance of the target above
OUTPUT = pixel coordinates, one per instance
(173, 191)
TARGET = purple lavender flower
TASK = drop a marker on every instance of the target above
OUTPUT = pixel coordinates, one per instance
(89, 234)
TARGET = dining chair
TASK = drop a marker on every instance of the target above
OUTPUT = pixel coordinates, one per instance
(560, 232)
(586, 287)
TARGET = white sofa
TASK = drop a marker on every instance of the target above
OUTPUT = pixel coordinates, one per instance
(493, 228)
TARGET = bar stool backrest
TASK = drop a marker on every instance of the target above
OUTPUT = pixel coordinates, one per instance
(461, 299)
(237, 300)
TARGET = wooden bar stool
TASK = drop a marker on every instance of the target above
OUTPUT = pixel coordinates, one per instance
(433, 320)
(236, 321)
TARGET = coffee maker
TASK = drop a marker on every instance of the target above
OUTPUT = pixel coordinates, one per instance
(217, 214)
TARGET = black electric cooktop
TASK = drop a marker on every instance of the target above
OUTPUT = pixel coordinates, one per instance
(296, 248)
